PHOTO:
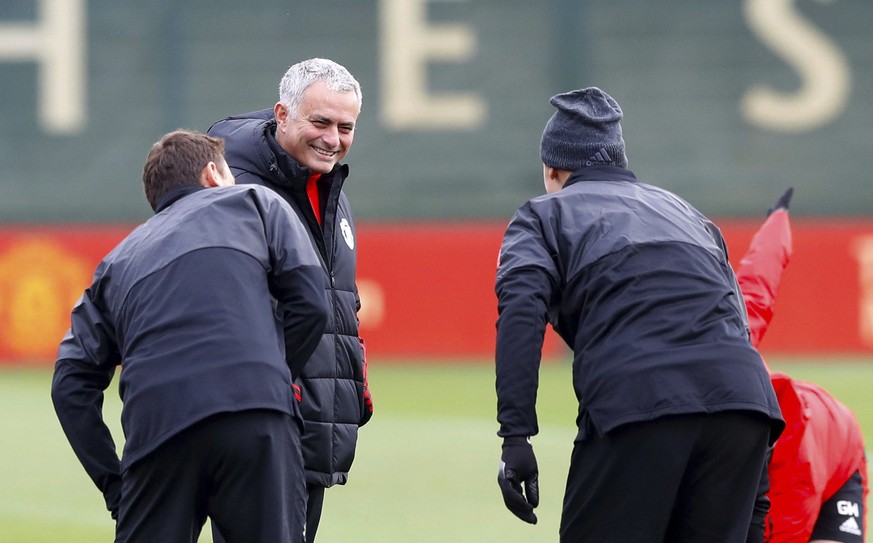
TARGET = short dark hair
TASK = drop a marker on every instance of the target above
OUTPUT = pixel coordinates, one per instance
(177, 159)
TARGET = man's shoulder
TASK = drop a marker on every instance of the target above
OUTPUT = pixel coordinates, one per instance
(251, 118)
(242, 134)
(248, 191)
(235, 197)
(265, 114)
(265, 199)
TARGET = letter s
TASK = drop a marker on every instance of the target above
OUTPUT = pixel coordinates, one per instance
(824, 73)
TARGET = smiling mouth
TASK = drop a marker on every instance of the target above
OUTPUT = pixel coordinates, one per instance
(324, 153)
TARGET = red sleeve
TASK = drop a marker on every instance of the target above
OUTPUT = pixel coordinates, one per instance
(760, 271)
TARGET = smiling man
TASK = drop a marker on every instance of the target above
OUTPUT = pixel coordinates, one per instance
(295, 148)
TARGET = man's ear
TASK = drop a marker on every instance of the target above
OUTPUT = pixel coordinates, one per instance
(551, 173)
(209, 176)
(554, 179)
(281, 114)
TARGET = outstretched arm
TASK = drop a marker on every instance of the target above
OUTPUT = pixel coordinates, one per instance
(759, 273)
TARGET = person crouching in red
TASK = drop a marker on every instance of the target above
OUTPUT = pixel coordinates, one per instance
(818, 471)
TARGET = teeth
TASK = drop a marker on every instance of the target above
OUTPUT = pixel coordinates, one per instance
(323, 152)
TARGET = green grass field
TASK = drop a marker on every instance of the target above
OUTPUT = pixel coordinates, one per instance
(426, 466)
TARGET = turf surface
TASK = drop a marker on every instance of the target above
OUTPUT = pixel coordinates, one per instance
(426, 466)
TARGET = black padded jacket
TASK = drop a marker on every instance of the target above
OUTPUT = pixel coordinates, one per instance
(333, 383)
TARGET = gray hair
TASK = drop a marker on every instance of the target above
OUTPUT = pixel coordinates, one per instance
(300, 76)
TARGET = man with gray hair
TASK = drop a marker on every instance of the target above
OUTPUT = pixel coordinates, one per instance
(676, 409)
(295, 148)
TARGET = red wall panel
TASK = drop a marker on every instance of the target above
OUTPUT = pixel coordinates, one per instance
(427, 288)
(433, 285)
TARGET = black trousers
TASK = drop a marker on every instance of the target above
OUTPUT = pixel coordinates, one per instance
(314, 504)
(244, 470)
(689, 479)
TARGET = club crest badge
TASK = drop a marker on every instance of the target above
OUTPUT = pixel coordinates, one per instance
(346, 230)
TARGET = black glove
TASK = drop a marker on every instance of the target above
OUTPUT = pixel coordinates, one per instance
(519, 465)
(782, 202)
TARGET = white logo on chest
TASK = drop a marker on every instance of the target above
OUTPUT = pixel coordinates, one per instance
(346, 230)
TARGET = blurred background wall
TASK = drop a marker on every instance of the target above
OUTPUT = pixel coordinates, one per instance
(726, 103)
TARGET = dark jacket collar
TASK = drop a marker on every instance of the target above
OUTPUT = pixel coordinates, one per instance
(176, 193)
(601, 173)
(290, 168)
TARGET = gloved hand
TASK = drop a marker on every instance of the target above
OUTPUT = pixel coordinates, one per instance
(518, 466)
(782, 202)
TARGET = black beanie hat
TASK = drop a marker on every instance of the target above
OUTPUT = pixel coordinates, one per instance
(583, 132)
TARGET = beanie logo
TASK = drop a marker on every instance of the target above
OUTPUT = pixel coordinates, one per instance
(601, 157)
